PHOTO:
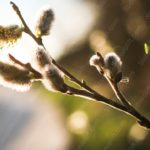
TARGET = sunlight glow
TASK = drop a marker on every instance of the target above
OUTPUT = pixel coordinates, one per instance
(73, 20)
(137, 133)
(78, 122)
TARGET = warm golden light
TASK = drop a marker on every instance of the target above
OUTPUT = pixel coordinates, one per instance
(99, 42)
(137, 133)
(78, 122)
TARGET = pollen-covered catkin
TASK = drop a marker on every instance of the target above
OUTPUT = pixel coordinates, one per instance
(44, 21)
(10, 34)
(53, 79)
(14, 77)
(113, 65)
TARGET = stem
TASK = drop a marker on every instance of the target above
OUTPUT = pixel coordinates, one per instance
(26, 28)
(88, 92)
(118, 93)
(97, 97)
(132, 112)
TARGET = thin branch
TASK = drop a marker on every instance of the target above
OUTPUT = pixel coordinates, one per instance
(132, 112)
(88, 92)
(74, 79)
(26, 28)
(118, 93)
(27, 66)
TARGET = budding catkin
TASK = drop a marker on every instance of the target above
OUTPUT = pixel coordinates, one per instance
(113, 65)
(42, 57)
(95, 60)
(53, 79)
(10, 34)
(14, 77)
(52, 76)
(44, 22)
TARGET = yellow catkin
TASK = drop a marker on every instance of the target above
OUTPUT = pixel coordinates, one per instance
(9, 34)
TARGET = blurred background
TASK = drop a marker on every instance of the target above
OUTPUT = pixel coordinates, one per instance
(42, 120)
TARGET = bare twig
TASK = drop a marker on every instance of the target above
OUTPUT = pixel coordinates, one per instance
(27, 66)
(118, 93)
(26, 28)
(88, 92)
(132, 112)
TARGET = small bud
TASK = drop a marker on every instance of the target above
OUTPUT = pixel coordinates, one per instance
(96, 60)
(42, 57)
(10, 34)
(53, 79)
(14, 77)
(44, 22)
(113, 66)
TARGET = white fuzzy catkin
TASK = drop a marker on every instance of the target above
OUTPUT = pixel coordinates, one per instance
(53, 79)
(95, 60)
(113, 65)
(52, 76)
(42, 58)
(14, 77)
(44, 22)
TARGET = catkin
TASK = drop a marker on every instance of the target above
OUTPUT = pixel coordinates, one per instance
(44, 22)
(42, 57)
(113, 65)
(10, 34)
(14, 77)
(52, 76)
(53, 79)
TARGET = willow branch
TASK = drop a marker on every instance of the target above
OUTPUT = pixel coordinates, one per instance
(26, 28)
(88, 92)
(132, 112)
(118, 93)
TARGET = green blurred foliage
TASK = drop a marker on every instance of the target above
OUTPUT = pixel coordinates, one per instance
(146, 48)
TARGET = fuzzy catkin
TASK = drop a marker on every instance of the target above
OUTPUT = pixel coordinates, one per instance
(52, 76)
(53, 79)
(95, 60)
(10, 34)
(14, 77)
(44, 22)
(42, 57)
(113, 65)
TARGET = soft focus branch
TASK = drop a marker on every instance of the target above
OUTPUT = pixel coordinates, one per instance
(51, 72)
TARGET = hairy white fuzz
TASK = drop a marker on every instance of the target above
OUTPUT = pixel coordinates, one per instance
(14, 77)
(44, 22)
(95, 60)
(113, 65)
(53, 79)
(42, 58)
